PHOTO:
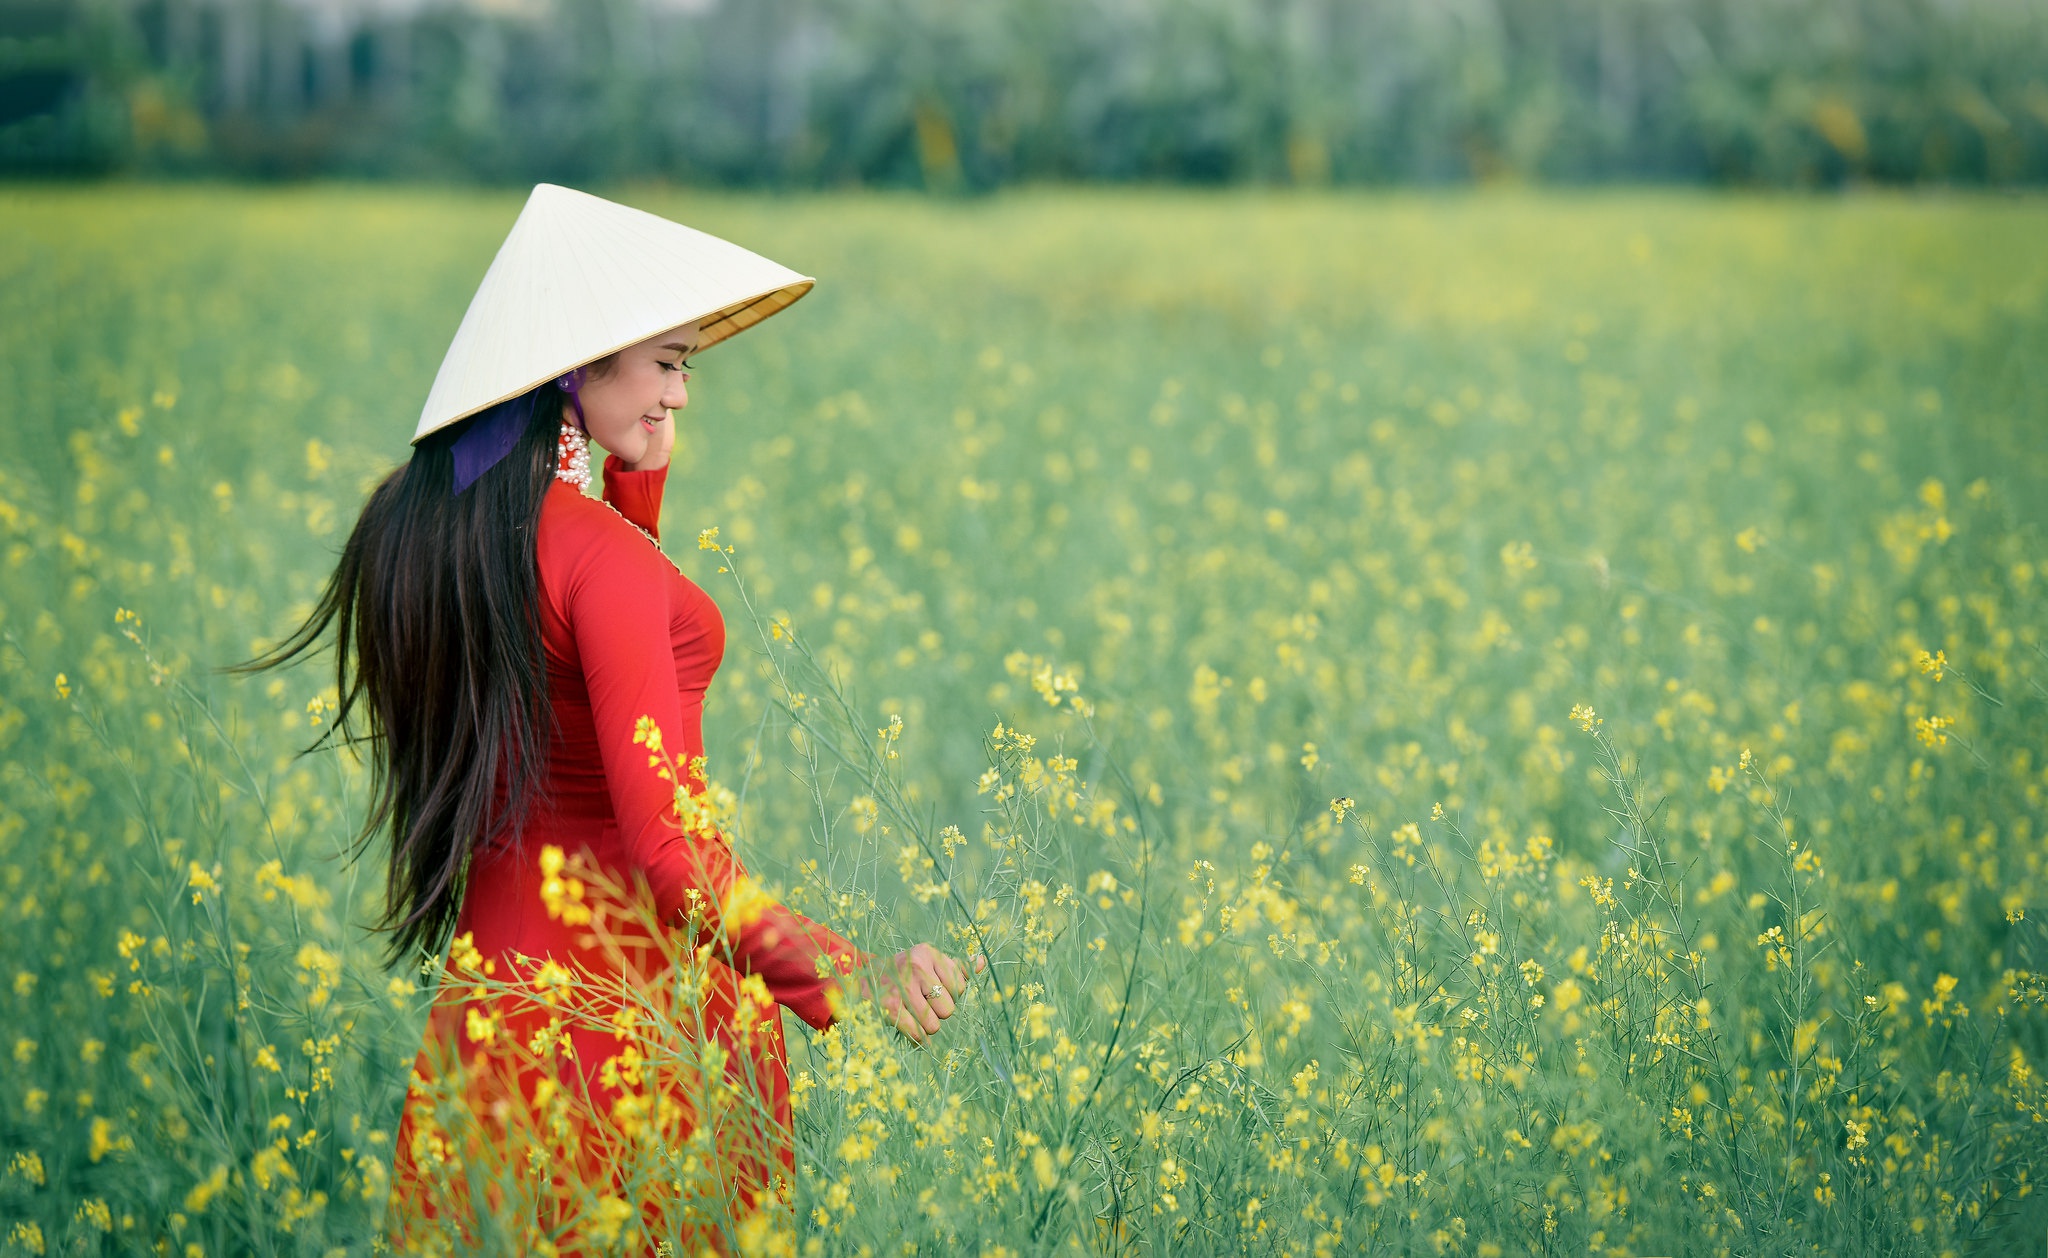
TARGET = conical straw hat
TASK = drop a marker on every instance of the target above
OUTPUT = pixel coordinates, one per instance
(579, 277)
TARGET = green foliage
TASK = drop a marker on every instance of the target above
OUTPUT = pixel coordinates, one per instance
(950, 96)
(1467, 725)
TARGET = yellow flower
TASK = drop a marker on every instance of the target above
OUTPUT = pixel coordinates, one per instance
(463, 954)
(563, 896)
(102, 1141)
(301, 890)
(320, 968)
(646, 732)
(744, 905)
(546, 1042)
(271, 1165)
(607, 1221)
(94, 1214)
(1038, 1020)
(1566, 994)
(206, 1190)
(552, 980)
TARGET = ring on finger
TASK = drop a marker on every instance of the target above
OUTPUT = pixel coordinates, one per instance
(936, 990)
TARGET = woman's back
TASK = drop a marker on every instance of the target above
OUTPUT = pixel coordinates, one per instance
(529, 671)
(628, 639)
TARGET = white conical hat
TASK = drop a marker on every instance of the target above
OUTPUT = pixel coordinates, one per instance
(579, 277)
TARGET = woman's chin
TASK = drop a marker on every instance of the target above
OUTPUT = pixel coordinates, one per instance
(629, 451)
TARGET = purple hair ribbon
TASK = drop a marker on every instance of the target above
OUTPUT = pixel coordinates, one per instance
(493, 433)
(571, 383)
(489, 437)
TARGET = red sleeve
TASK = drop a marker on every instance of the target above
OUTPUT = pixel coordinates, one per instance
(618, 604)
(636, 495)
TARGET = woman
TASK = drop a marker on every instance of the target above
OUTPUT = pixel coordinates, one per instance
(607, 1066)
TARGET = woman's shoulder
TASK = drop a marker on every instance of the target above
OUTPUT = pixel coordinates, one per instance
(580, 532)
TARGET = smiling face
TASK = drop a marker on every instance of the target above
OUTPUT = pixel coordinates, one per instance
(626, 405)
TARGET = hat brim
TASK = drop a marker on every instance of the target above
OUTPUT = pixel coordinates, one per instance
(714, 326)
(579, 277)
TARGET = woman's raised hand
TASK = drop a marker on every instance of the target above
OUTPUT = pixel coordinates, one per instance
(661, 441)
(917, 987)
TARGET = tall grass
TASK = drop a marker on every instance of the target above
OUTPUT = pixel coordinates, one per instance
(1462, 727)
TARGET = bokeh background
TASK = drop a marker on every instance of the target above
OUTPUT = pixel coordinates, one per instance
(1456, 594)
(945, 95)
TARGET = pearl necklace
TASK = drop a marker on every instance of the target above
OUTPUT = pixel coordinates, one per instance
(573, 466)
(572, 461)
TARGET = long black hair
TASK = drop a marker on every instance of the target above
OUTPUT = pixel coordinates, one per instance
(435, 607)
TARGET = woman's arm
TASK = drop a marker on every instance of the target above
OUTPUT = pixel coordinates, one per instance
(635, 495)
(618, 607)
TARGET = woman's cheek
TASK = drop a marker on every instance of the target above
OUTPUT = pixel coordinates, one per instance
(632, 444)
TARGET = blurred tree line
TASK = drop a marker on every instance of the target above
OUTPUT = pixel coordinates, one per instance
(966, 94)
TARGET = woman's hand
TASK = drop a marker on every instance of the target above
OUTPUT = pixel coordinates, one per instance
(661, 441)
(916, 988)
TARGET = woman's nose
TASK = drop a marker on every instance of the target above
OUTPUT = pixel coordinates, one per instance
(677, 395)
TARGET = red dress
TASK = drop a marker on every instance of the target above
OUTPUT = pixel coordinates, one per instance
(652, 1090)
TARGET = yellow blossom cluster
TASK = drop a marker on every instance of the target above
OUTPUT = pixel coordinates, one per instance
(1523, 736)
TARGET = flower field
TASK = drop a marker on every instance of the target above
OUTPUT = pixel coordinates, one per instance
(1475, 724)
